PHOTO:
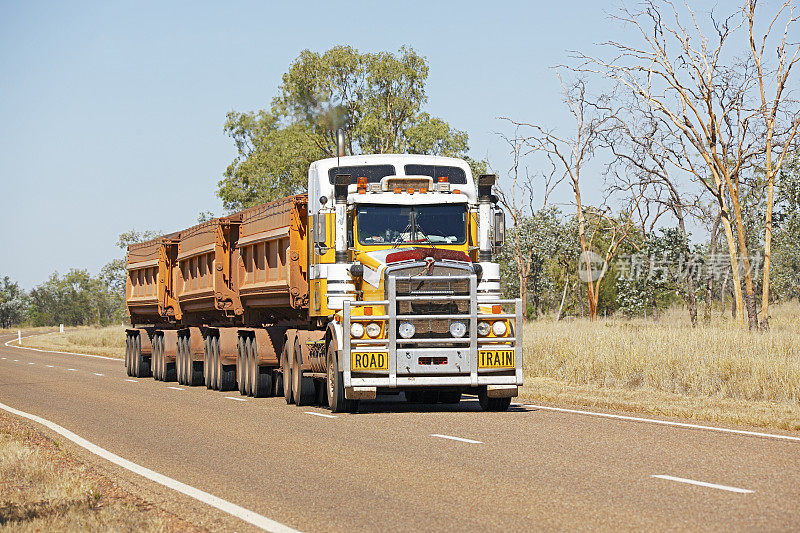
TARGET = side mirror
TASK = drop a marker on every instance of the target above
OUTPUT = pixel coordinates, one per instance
(499, 228)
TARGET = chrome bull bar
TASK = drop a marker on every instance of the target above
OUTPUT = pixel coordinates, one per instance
(471, 344)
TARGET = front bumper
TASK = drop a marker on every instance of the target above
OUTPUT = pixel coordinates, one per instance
(409, 359)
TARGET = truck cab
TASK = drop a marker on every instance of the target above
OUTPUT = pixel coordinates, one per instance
(402, 278)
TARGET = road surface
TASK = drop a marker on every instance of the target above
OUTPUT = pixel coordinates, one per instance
(397, 467)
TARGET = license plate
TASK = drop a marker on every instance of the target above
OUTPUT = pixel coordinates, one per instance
(369, 361)
(496, 359)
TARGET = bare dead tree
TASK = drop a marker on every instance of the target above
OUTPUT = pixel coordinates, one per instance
(687, 74)
(569, 154)
(518, 199)
(787, 55)
(640, 142)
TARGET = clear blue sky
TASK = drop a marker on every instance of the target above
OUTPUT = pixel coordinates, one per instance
(111, 113)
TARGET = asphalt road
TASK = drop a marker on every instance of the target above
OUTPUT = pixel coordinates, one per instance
(393, 467)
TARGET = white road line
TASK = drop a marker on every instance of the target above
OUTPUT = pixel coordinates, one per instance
(2, 357)
(31, 363)
(664, 422)
(8, 343)
(72, 369)
(223, 505)
(703, 484)
(323, 415)
(98, 374)
(16, 360)
(175, 388)
(470, 441)
(132, 380)
(49, 366)
(235, 398)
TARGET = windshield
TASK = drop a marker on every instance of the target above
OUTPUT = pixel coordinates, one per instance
(423, 224)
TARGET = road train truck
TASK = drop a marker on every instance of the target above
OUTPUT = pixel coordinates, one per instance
(379, 280)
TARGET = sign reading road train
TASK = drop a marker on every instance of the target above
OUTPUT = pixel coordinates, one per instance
(328, 297)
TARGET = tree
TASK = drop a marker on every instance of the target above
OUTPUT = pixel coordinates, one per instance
(76, 299)
(377, 98)
(13, 303)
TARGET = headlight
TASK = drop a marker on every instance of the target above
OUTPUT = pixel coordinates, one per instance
(406, 330)
(373, 329)
(356, 330)
(499, 328)
(483, 328)
(458, 329)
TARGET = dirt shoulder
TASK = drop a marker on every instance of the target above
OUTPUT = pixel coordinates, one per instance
(45, 487)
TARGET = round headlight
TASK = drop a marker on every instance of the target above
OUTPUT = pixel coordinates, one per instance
(356, 330)
(406, 330)
(483, 328)
(457, 329)
(373, 329)
(499, 328)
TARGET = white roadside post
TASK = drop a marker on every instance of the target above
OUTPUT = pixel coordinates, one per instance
(61, 328)
(19, 337)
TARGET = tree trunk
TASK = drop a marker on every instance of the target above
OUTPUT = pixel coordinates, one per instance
(749, 296)
(563, 297)
(735, 279)
(767, 245)
(691, 301)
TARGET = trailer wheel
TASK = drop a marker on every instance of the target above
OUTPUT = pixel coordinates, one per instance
(335, 385)
(139, 368)
(207, 361)
(186, 360)
(303, 387)
(128, 354)
(277, 382)
(179, 361)
(241, 365)
(261, 377)
(492, 404)
(286, 368)
(158, 353)
(226, 374)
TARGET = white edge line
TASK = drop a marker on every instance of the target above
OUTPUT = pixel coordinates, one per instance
(235, 398)
(175, 388)
(323, 415)
(703, 484)
(214, 501)
(8, 343)
(665, 422)
(470, 441)
(132, 380)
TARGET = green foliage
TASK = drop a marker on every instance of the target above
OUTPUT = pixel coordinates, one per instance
(76, 299)
(13, 303)
(377, 97)
(785, 271)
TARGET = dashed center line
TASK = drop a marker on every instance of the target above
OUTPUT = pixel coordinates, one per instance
(2, 357)
(72, 369)
(31, 363)
(98, 374)
(132, 380)
(703, 484)
(235, 398)
(175, 388)
(320, 414)
(469, 441)
(49, 366)
(16, 360)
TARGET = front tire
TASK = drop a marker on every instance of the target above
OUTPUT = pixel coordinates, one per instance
(286, 367)
(335, 385)
(303, 387)
(493, 404)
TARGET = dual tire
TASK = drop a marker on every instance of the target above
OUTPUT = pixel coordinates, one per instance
(216, 375)
(136, 364)
(253, 380)
(187, 372)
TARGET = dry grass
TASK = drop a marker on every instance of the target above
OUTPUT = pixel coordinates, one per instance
(717, 372)
(43, 488)
(108, 341)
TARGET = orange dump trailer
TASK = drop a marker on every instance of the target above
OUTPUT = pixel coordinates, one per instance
(201, 299)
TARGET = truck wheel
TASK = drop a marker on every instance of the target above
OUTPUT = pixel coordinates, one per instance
(155, 359)
(226, 374)
(277, 383)
(179, 361)
(335, 385)
(212, 343)
(261, 377)
(136, 357)
(493, 404)
(448, 396)
(186, 361)
(286, 367)
(240, 366)
(303, 387)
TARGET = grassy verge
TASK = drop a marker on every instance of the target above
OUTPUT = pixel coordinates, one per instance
(108, 341)
(716, 372)
(44, 488)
